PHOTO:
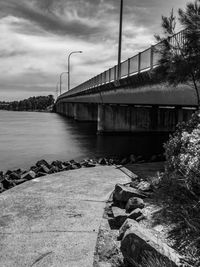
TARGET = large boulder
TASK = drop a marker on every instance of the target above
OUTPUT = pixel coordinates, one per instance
(124, 193)
(119, 216)
(134, 203)
(135, 214)
(139, 246)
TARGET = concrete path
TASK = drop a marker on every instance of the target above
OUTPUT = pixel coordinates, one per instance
(53, 221)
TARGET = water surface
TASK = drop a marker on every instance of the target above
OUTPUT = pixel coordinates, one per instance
(26, 137)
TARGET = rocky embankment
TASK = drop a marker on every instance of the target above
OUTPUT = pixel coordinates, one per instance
(12, 178)
(130, 236)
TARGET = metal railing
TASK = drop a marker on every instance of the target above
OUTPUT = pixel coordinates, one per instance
(144, 61)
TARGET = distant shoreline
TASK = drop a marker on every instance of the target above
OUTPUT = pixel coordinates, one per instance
(43, 111)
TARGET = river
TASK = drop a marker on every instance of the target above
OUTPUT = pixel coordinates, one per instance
(26, 137)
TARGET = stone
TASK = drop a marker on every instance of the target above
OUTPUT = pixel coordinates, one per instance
(124, 161)
(8, 172)
(40, 174)
(18, 182)
(14, 176)
(90, 165)
(139, 247)
(7, 184)
(119, 216)
(134, 203)
(75, 167)
(144, 186)
(44, 168)
(42, 162)
(28, 175)
(54, 169)
(103, 161)
(124, 193)
(135, 214)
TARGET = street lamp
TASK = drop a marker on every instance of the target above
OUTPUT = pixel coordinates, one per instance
(74, 52)
(120, 41)
(57, 90)
(61, 80)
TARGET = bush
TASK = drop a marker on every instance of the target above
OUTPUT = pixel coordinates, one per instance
(182, 153)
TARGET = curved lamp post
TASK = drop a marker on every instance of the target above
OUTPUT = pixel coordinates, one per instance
(61, 80)
(74, 52)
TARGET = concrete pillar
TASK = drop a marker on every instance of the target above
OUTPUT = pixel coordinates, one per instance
(69, 110)
(85, 112)
(113, 118)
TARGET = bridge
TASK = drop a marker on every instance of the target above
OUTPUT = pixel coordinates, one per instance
(134, 101)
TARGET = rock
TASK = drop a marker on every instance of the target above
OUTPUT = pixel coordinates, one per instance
(34, 168)
(57, 163)
(111, 161)
(90, 165)
(20, 181)
(134, 184)
(119, 216)
(54, 169)
(123, 193)
(144, 186)
(40, 174)
(134, 203)
(28, 175)
(124, 161)
(135, 214)
(103, 161)
(44, 168)
(66, 163)
(132, 159)
(42, 162)
(14, 176)
(8, 172)
(7, 184)
(75, 167)
(139, 247)
(1, 188)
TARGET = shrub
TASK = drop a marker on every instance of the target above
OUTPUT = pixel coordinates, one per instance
(182, 153)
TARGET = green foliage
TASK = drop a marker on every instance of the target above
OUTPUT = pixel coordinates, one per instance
(182, 153)
(30, 104)
(180, 58)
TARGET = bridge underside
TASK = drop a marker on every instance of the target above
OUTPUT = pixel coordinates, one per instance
(133, 104)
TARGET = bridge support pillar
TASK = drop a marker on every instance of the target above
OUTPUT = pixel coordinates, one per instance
(85, 112)
(129, 118)
(113, 118)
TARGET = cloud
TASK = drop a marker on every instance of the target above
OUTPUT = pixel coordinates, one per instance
(53, 20)
(38, 35)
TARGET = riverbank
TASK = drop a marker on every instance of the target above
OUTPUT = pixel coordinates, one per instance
(157, 213)
(12, 178)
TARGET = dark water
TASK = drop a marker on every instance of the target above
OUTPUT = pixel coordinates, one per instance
(26, 137)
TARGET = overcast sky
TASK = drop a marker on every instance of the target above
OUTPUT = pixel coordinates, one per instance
(37, 36)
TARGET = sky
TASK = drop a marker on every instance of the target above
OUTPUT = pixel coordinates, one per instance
(38, 35)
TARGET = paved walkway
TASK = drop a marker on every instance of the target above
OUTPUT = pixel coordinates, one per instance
(53, 221)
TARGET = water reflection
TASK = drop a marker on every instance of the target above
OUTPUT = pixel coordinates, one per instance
(26, 137)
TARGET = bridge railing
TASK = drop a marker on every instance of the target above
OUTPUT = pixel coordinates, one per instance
(146, 60)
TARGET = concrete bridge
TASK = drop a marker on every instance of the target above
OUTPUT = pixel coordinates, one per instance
(136, 101)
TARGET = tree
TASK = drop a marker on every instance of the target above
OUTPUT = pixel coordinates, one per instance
(180, 57)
